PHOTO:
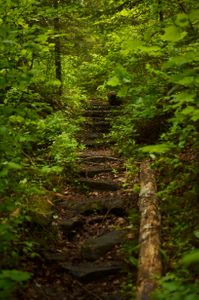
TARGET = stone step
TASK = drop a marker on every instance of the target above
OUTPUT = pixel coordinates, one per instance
(95, 247)
(99, 158)
(100, 184)
(99, 106)
(97, 113)
(100, 123)
(97, 119)
(99, 102)
(102, 126)
(99, 129)
(87, 135)
(91, 172)
(88, 272)
(114, 205)
(96, 144)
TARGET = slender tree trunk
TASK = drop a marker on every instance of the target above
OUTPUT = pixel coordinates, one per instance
(161, 16)
(150, 265)
(58, 62)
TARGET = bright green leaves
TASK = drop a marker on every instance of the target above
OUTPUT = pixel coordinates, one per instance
(183, 79)
(113, 81)
(183, 98)
(48, 170)
(121, 77)
(157, 149)
(182, 20)
(191, 112)
(194, 17)
(173, 34)
(131, 44)
(134, 46)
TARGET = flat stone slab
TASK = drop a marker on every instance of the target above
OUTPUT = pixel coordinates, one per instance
(100, 185)
(71, 224)
(113, 205)
(95, 248)
(95, 143)
(91, 135)
(113, 297)
(97, 113)
(98, 158)
(98, 123)
(91, 271)
(90, 172)
(56, 257)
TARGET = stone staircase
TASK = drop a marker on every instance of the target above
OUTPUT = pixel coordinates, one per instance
(98, 117)
(93, 220)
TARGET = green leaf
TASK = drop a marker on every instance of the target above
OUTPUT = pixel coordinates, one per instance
(15, 275)
(196, 233)
(159, 148)
(191, 258)
(182, 20)
(184, 97)
(51, 170)
(186, 81)
(14, 166)
(133, 261)
(194, 16)
(173, 34)
(130, 45)
(192, 112)
(114, 81)
(195, 116)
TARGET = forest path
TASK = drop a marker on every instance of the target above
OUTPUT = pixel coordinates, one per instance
(88, 260)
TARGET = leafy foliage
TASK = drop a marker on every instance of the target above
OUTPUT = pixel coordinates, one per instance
(56, 54)
(37, 128)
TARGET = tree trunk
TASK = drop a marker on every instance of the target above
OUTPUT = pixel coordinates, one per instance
(150, 266)
(161, 16)
(58, 64)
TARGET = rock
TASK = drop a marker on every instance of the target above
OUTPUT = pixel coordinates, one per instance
(94, 143)
(41, 219)
(97, 113)
(71, 224)
(113, 205)
(112, 297)
(56, 257)
(95, 248)
(91, 135)
(100, 185)
(100, 126)
(98, 158)
(113, 99)
(91, 172)
(100, 123)
(89, 271)
(99, 105)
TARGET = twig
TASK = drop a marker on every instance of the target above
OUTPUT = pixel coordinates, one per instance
(87, 291)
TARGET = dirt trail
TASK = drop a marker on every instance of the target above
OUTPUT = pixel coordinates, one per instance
(88, 261)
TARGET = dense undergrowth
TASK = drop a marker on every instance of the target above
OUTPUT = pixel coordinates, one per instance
(156, 75)
(38, 147)
(54, 56)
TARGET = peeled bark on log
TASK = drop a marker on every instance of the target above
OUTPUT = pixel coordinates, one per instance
(150, 265)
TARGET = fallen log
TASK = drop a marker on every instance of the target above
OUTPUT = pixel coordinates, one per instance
(149, 264)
